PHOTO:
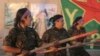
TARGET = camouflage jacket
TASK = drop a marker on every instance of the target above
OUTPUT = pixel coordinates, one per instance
(73, 32)
(79, 50)
(26, 39)
(52, 35)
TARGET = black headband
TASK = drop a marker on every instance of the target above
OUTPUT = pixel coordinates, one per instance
(54, 18)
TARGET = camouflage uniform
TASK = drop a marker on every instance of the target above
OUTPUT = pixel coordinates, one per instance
(26, 39)
(52, 35)
(77, 51)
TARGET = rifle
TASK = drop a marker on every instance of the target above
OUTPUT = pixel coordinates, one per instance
(62, 41)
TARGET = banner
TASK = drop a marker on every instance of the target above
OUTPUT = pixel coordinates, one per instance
(89, 9)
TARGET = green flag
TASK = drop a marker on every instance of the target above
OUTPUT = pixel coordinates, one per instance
(91, 14)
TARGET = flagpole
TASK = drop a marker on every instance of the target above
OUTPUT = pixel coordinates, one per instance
(65, 25)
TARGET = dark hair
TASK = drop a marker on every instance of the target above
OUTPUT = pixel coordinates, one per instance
(54, 18)
(19, 15)
(75, 23)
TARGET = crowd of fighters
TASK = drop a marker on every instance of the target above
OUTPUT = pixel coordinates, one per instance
(22, 38)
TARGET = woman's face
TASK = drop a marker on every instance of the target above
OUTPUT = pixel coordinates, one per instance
(60, 22)
(28, 19)
(80, 22)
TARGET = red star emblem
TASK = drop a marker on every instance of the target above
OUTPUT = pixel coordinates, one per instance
(91, 9)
